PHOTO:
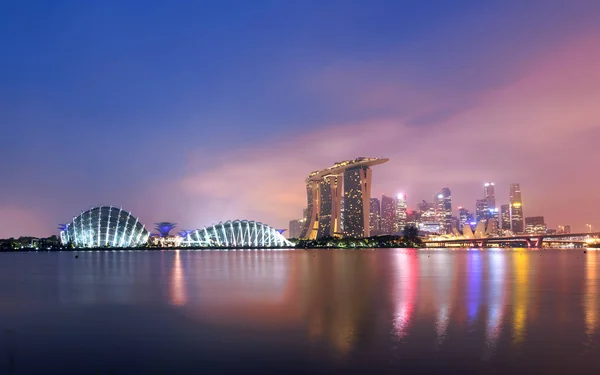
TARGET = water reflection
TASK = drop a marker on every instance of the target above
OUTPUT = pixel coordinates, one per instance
(533, 311)
(178, 289)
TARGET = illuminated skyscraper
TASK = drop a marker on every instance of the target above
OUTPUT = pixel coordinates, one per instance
(348, 182)
(400, 212)
(296, 227)
(516, 209)
(375, 216)
(488, 193)
(426, 212)
(482, 212)
(464, 218)
(505, 216)
(388, 214)
(443, 209)
(535, 225)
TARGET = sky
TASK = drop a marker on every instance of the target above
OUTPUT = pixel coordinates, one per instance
(205, 111)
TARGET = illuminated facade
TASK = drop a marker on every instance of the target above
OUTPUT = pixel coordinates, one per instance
(535, 225)
(464, 218)
(488, 193)
(482, 211)
(388, 214)
(237, 233)
(443, 209)
(348, 182)
(400, 212)
(516, 209)
(375, 216)
(505, 216)
(104, 226)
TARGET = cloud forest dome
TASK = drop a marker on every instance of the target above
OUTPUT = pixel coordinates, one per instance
(104, 226)
(237, 233)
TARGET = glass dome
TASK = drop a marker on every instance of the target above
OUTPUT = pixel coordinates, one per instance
(104, 227)
(237, 233)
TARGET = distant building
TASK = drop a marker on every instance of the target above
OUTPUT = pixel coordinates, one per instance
(464, 218)
(443, 209)
(412, 218)
(493, 222)
(426, 212)
(488, 193)
(551, 231)
(563, 229)
(375, 216)
(400, 212)
(388, 214)
(296, 228)
(535, 225)
(516, 209)
(505, 217)
(431, 228)
(482, 211)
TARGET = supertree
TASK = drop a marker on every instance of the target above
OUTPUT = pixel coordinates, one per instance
(164, 228)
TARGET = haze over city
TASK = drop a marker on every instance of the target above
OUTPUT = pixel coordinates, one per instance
(207, 112)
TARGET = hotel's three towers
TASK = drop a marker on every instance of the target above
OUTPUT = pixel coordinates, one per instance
(339, 199)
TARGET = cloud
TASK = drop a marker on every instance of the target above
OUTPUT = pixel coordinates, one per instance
(540, 130)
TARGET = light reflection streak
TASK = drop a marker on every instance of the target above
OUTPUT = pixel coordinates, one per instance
(443, 286)
(591, 296)
(474, 296)
(497, 295)
(521, 264)
(406, 276)
(178, 289)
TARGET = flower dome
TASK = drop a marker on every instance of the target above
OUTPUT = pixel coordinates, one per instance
(237, 233)
(104, 227)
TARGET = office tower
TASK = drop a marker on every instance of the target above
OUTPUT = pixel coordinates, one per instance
(505, 217)
(388, 214)
(375, 216)
(493, 222)
(412, 218)
(482, 211)
(488, 194)
(535, 225)
(426, 212)
(463, 218)
(563, 229)
(516, 209)
(347, 183)
(296, 228)
(400, 212)
(443, 209)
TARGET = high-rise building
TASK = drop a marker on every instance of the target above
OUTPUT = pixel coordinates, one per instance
(388, 214)
(296, 228)
(563, 229)
(375, 216)
(400, 212)
(488, 194)
(412, 218)
(426, 212)
(516, 209)
(443, 209)
(464, 218)
(493, 222)
(324, 196)
(505, 216)
(535, 225)
(482, 211)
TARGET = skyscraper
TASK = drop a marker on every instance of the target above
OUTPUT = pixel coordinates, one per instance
(505, 216)
(296, 228)
(563, 229)
(426, 212)
(375, 216)
(443, 209)
(488, 194)
(535, 225)
(400, 212)
(482, 212)
(388, 214)
(324, 196)
(516, 209)
(464, 218)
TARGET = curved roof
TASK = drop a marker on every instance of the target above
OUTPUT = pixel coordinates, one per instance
(341, 166)
(104, 226)
(236, 233)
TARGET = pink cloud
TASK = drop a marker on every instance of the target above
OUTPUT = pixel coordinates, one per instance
(540, 130)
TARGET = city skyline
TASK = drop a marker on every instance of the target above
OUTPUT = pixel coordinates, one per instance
(209, 117)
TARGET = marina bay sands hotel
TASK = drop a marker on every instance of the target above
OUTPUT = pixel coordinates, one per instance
(325, 188)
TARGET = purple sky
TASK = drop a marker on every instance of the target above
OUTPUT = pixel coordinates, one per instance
(214, 111)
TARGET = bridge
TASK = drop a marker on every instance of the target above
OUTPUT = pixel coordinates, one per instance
(532, 240)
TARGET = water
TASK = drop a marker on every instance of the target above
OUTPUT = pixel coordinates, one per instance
(371, 311)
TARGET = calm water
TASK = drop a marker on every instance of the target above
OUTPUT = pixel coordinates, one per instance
(381, 311)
